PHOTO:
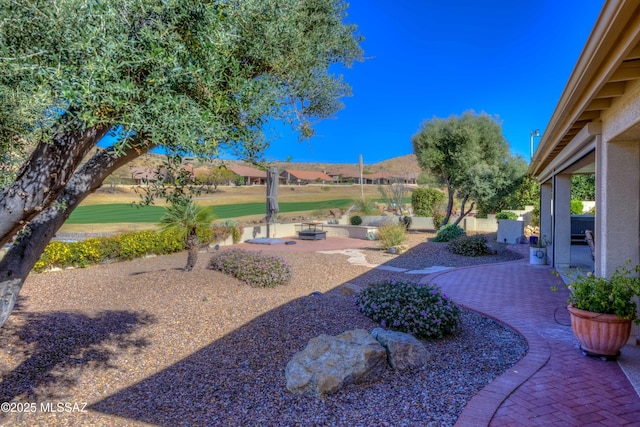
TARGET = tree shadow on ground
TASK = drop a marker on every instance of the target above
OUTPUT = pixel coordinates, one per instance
(231, 380)
(52, 343)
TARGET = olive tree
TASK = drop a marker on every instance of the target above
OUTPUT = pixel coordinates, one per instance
(469, 155)
(192, 77)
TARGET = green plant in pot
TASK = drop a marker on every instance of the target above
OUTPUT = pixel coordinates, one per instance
(602, 310)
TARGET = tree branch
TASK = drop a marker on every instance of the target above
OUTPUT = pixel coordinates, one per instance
(43, 177)
(24, 253)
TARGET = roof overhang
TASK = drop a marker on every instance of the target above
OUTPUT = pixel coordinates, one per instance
(609, 60)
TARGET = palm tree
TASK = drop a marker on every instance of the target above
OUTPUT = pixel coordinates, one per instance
(187, 218)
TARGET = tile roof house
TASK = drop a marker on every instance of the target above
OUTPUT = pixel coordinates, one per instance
(145, 175)
(305, 177)
(250, 174)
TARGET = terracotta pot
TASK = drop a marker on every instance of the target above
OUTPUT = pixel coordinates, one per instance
(599, 334)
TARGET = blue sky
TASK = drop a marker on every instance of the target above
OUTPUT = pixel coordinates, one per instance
(436, 58)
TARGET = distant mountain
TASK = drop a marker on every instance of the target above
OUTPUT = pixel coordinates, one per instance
(400, 166)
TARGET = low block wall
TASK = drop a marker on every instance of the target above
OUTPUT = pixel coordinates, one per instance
(469, 224)
(510, 230)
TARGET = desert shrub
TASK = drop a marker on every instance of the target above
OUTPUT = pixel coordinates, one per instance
(320, 213)
(576, 207)
(425, 201)
(392, 234)
(506, 215)
(100, 249)
(535, 216)
(254, 268)
(355, 220)
(229, 227)
(470, 246)
(421, 310)
(448, 233)
(437, 220)
(365, 207)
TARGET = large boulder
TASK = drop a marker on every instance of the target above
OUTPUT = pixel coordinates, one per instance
(328, 362)
(404, 351)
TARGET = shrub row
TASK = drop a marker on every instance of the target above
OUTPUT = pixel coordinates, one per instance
(506, 215)
(421, 310)
(254, 268)
(113, 248)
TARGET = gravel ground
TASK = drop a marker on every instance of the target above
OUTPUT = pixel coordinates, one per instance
(142, 343)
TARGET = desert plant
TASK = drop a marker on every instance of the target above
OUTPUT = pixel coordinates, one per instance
(506, 215)
(226, 228)
(394, 195)
(114, 248)
(577, 207)
(425, 201)
(438, 217)
(355, 220)
(391, 235)
(188, 218)
(470, 246)
(365, 206)
(254, 268)
(448, 233)
(421, 310)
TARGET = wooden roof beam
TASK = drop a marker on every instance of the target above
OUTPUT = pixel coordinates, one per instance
(626, 71)
(599, 104)
(634, 54)
(612, 90)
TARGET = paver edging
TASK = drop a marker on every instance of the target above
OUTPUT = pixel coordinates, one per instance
(483, 406)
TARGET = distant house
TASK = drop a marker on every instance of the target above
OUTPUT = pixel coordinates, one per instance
(377, 178)
(345, 175)
(305, 177)
(142, 176)
(250, 175)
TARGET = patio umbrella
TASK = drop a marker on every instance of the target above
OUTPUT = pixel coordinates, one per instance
(272, 197)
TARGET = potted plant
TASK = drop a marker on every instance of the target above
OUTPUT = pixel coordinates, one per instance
(602, 310)
(538, 250)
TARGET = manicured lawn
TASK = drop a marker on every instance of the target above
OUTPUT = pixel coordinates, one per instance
(123, 212)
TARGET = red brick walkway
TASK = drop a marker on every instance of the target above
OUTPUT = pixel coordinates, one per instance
(554, 384)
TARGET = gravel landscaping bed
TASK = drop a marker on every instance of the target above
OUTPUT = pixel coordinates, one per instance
(142, 342)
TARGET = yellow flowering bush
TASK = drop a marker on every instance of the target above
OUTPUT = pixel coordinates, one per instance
(100, 249)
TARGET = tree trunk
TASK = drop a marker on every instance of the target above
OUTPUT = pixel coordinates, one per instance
(27, 249)
(43, 177)
(192, 249)
(462, 211)
(447, 216)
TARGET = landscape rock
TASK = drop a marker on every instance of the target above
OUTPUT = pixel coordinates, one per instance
(350, 289)
(404, 351)
(329, 362)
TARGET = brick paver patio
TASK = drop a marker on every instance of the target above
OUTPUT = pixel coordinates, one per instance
(554, 385)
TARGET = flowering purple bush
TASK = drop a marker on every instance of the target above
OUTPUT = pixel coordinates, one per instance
(254, 268)
(421, 310)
